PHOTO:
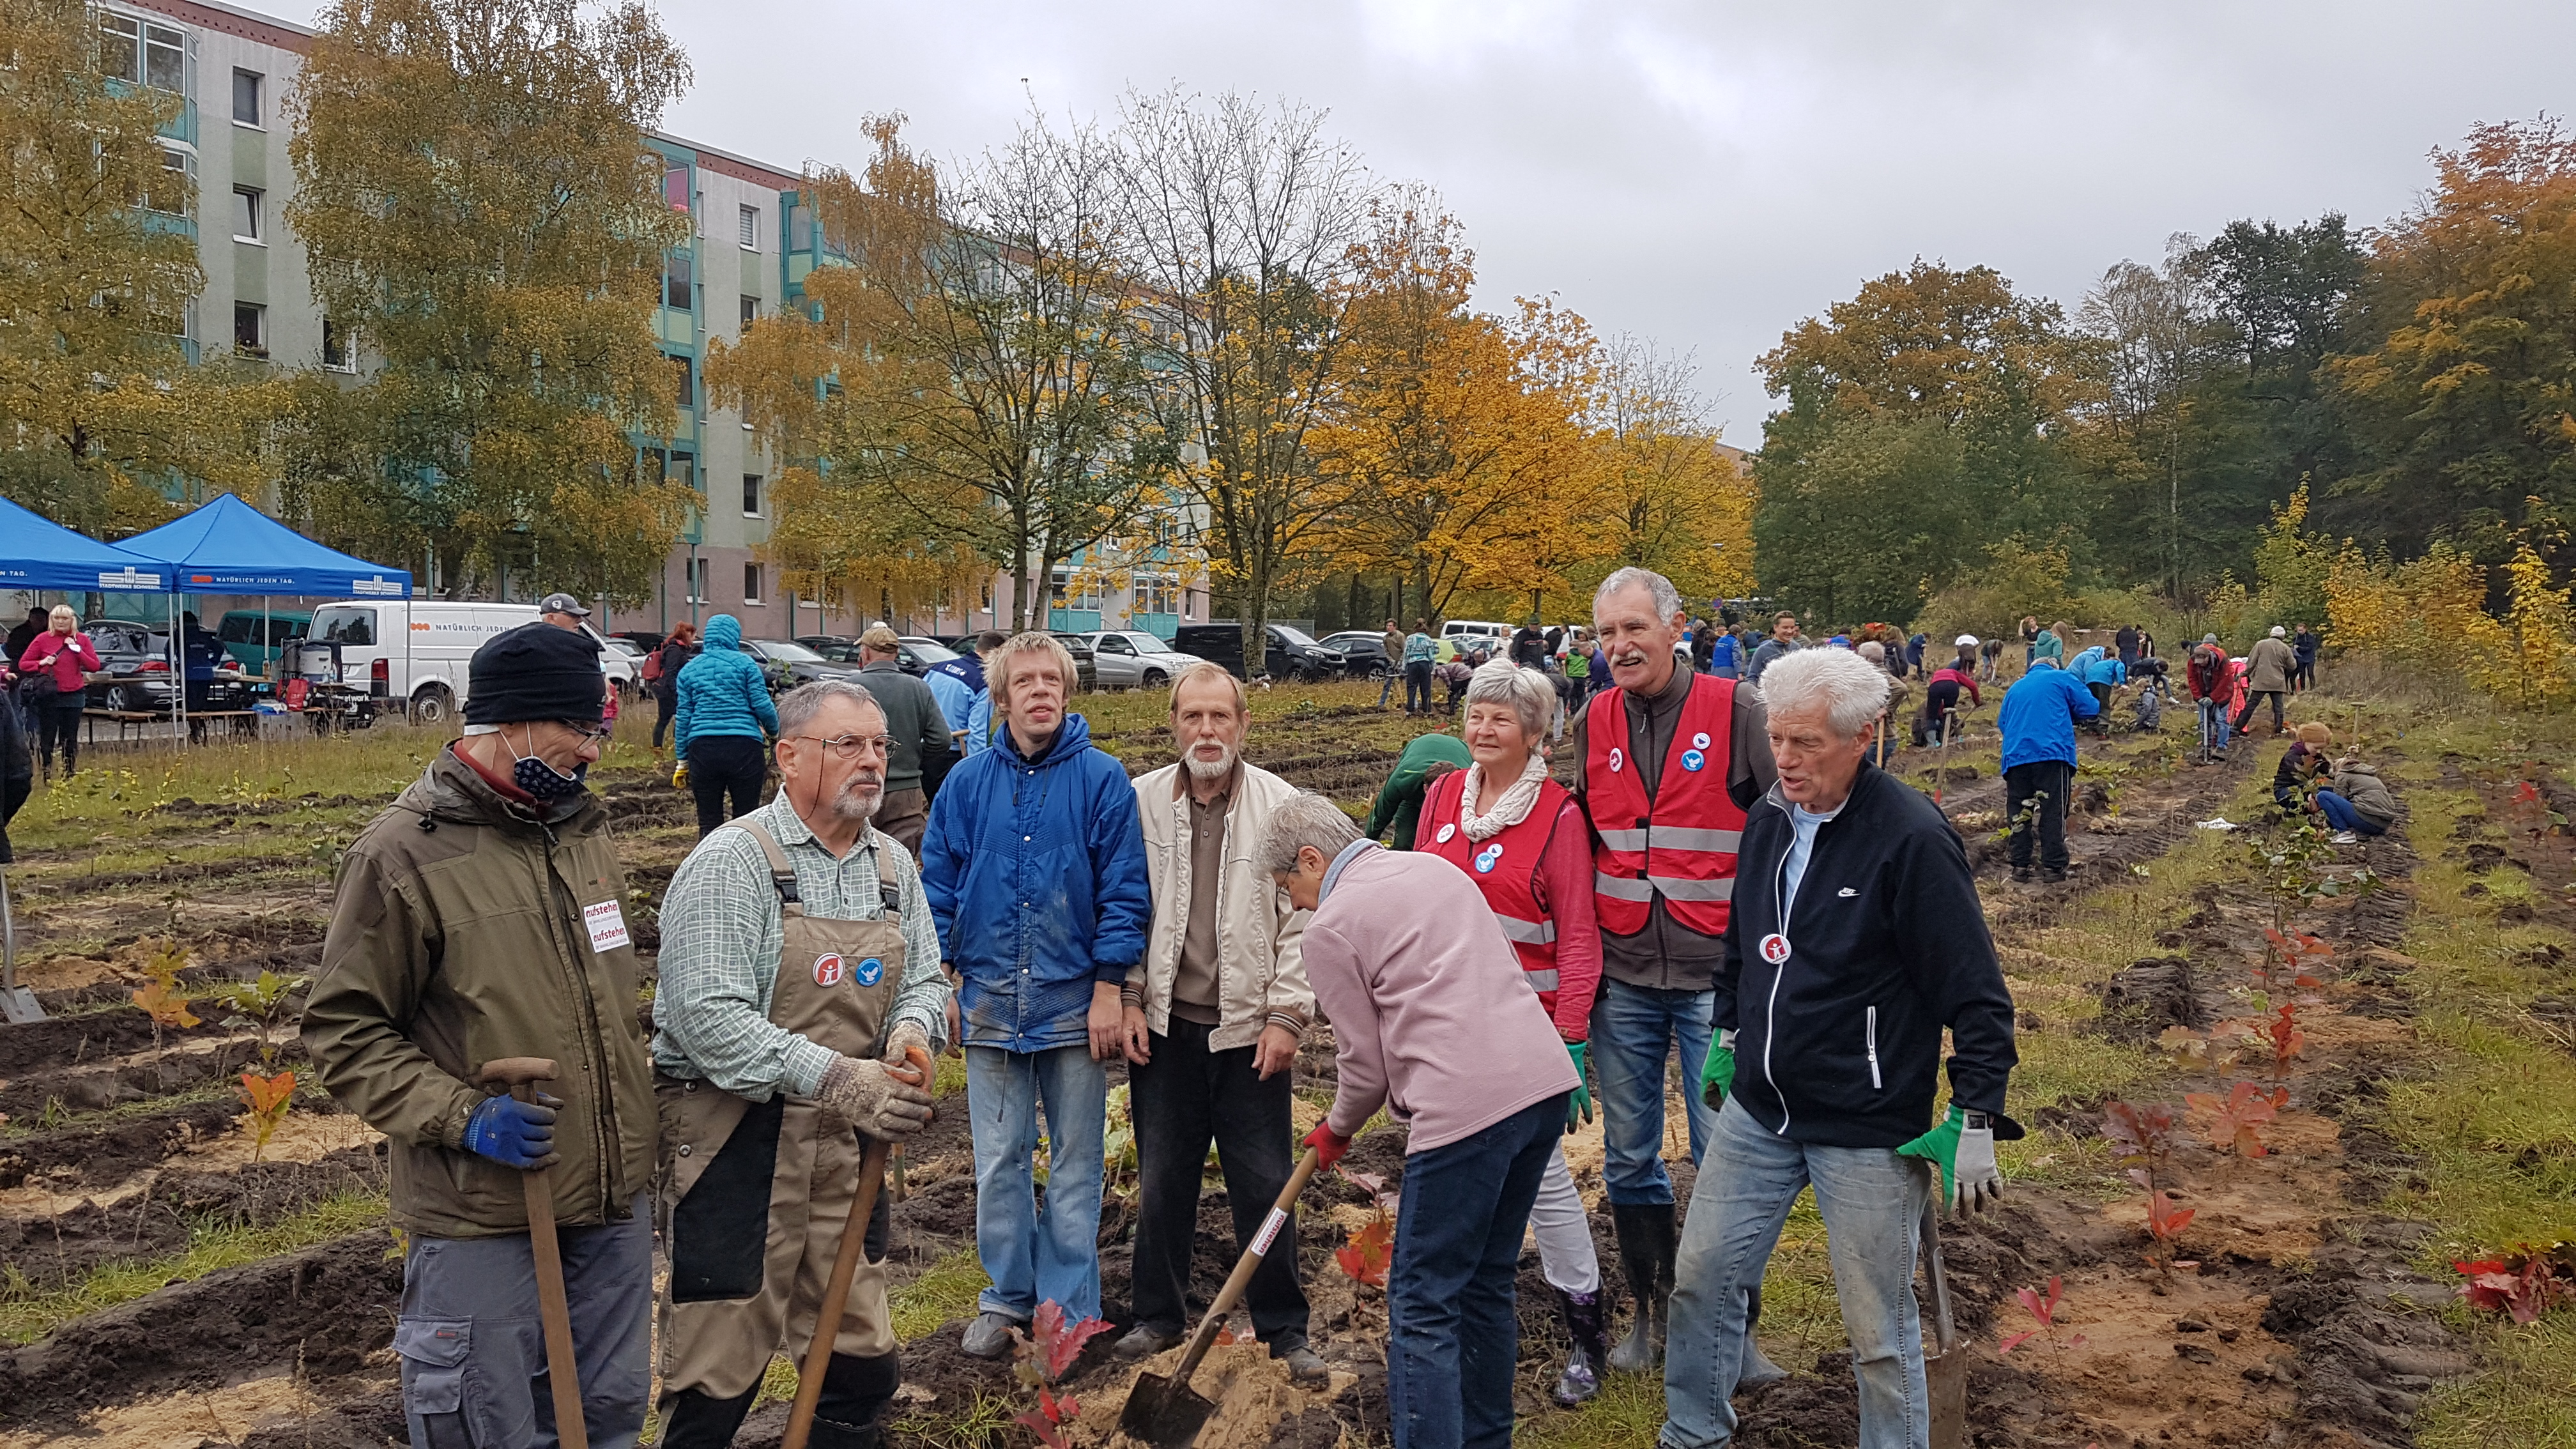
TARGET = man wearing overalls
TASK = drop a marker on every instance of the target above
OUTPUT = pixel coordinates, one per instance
(799, 963)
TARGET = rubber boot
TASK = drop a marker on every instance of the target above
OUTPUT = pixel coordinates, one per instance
(1646, 1246)
(1757, 1368)
(695, 1420)
(1585, 1361)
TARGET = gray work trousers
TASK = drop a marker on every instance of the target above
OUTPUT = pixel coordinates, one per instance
(473, 1344)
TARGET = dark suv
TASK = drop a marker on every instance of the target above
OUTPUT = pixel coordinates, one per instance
(1291, 654)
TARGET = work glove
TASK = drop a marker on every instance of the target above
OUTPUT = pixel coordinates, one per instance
(1578, 1106)
(906, 1038)
(1717, 1074)
(1328, 1144)
(1966, 1157)
(881, 1101)
(514, 1133)
(680, 775)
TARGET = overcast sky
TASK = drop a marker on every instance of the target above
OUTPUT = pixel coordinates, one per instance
(1707, 174)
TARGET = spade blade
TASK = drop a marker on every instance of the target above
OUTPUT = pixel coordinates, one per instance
(1162, 1413)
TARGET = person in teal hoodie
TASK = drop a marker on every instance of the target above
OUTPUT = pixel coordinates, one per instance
(724, 724)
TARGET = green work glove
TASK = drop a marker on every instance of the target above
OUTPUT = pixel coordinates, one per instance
(1580, 1104)
(1717, 1074)
(1966, 1156)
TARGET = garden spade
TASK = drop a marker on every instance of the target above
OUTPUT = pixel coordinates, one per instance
(17, 1003)
(520, 1075)
(1166, 1412)
(1945, 1374)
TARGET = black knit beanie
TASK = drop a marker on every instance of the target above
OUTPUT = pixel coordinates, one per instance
(534, 672)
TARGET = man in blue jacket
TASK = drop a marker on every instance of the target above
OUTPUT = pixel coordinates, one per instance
(2038, 723)
(1035, 868)
(1854, 940)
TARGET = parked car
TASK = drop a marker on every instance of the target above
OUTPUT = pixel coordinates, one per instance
(838, 648)
(789, 664)
(134, 677)
(1363, 652)
(1135, 659)
(1085, 663)
(1291, 655)
(253, 637)
(644, 640)
(917, 653)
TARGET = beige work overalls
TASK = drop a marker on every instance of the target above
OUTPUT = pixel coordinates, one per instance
(757, 1192)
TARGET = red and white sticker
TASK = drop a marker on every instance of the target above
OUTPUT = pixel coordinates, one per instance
(1775, 948)
(1269, 1230)
(829, 969)
(607, 926)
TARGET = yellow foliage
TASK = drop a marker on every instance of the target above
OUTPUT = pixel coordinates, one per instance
(2528, 660)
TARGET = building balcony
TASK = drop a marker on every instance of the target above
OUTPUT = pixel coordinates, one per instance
(166, 223)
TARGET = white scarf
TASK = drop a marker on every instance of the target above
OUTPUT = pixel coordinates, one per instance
(1510, 810)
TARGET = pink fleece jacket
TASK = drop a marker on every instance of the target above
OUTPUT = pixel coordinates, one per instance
(1430, 1015)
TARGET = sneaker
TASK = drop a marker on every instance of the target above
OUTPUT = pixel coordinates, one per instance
(2023, 875)
(989, 1336)
(1143, 1341)
(2344, 837)
(1305, 1365)
(2053, 877)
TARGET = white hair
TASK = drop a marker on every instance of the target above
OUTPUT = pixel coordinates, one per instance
(1527, 691)
(1301, 820)
(798, 706)
(1668, 600)
(1852, 691)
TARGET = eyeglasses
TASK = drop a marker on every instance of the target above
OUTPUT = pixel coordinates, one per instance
(590, 734)
(851, 747)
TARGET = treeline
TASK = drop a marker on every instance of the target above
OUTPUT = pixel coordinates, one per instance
(1951, 449)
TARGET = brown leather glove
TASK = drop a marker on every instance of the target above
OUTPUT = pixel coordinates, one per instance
(879, 1101)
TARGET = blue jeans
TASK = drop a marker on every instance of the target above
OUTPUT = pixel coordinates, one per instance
(2340, 811)
(1036, 1256)
(1452, 1333)
(1634, 1032)
(2214, 728)
(1872, 1201)
(1388, 686)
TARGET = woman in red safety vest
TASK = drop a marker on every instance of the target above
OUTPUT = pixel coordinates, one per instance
(1520, 837)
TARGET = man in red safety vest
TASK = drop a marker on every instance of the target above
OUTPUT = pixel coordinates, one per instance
(1671, 760)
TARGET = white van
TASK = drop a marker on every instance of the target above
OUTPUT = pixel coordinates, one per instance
(429, 670)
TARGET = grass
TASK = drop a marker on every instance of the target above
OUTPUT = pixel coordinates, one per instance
(212, 1247)
(945, 1292)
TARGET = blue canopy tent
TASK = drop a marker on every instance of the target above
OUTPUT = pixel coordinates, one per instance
(228, 547)
(38, 553)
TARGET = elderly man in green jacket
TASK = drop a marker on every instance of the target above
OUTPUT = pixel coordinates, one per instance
(482, 917)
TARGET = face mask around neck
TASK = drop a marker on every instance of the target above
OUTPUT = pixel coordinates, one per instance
(541, 780)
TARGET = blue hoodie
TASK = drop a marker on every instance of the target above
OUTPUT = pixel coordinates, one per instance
(722, 691)
(2039, 715)
(1035, 870)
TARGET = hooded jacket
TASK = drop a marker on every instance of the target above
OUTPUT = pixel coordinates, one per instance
(2039, 714)
(1838, 1036)
(2267, 667)
(1035, 869)
(2360, 784)
(465, 928)
(722, 691)
(2211, 673)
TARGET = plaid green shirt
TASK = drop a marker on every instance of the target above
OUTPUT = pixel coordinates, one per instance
(722, 931)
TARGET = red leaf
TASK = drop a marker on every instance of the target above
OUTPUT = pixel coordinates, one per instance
(2016, 1341)
(1059, 1342)
(1039, 1426)
(2056, 1290)
(1371, 1248)
(2031, 1300)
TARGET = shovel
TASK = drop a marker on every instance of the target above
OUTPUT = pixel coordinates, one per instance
(1165, 1412)
(17, 1003)
(520, 1075)
(845, 1266)
(1945, 1374)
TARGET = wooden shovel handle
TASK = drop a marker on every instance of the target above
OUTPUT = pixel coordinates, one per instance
(845, 1267)
(1253, 1252)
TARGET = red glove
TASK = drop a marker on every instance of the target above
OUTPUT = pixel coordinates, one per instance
(1328, 1144)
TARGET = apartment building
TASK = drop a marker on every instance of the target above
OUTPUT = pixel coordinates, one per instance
(751, 246)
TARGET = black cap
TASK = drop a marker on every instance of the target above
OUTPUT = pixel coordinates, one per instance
(563, 604)
(534, 672)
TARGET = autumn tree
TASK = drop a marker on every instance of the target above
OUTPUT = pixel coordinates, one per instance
(480, 210)
(1452, 451)
(1675, 499)
(102, 412)
(975, 382)
(1244, 218)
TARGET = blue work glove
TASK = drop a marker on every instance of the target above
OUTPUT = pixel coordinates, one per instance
(1966, 1156)
(1717, 1074)
(1579, 1106)
(514, 1133)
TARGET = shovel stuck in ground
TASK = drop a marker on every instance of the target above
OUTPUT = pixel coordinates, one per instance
(1945, 1373)
(1166, 1412)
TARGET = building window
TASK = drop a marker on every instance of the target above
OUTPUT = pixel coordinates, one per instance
(688, 381)
(1062, 595)
(246, 216)
(692, 576)
(683, 470)
(751, 228)
(152, 55)
(335, 348)
(751, 495)
(675, 187)
(751, 583)
(169, 194)
(750, 312)
(676, 278)
(246, 88)
(250, 329)
(800, 228)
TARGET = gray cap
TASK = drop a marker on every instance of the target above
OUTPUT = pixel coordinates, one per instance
(2208, 638)
(563, 604)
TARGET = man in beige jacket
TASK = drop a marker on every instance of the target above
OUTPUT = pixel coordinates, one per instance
(1212, 1018)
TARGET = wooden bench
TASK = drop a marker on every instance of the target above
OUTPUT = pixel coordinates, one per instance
(137, 724)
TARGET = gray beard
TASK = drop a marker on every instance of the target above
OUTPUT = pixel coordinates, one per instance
(851, 804)
(1208, 769)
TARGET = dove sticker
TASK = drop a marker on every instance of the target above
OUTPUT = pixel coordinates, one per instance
(1694, 760)
(870, 972)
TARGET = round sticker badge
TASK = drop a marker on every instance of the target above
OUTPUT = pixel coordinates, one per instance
(1616, 760)
(829, 969)
(1490, 857)
(1775, 948)
(870, 972)
(1445, 832)
(1699, 741)
(1693, 760)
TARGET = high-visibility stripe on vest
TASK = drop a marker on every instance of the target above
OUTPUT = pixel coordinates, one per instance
(1681, 844)
(1505, 867)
